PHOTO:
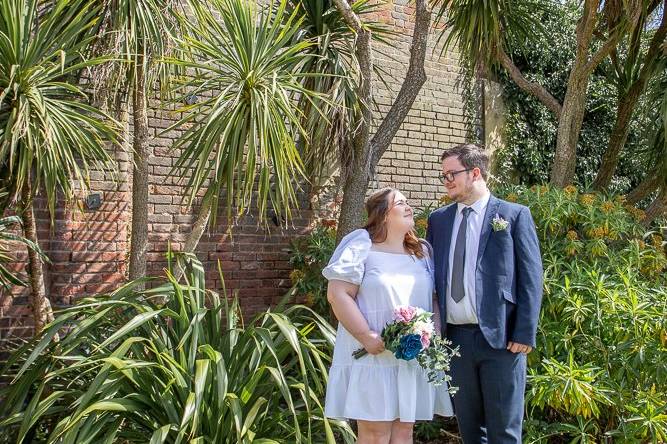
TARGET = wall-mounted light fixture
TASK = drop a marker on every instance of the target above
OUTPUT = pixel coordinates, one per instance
(191, 99)
(93, 201)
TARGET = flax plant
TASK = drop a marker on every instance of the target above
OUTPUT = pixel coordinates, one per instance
(173, 364)
(239, 136)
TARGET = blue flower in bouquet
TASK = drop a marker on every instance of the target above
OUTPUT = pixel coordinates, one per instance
(409, 348)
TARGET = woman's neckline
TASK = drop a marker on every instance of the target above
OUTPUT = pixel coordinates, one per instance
(389, 252)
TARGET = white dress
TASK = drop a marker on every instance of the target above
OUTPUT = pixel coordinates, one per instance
(380, 387)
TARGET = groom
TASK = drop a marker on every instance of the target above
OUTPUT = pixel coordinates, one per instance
(488, 275)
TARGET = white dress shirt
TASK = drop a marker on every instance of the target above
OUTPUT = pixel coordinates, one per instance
(464, 311)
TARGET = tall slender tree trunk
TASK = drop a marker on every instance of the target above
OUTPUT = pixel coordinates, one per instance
(368, 151)
(646, 187)
(569, 127)
(41, 308)
(657, 208)
(139, 233)
(616, 141)
(198, 228)
(352, 208)
(629, 100)
(574, 104)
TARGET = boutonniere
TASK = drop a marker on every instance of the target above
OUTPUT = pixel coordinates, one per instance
(498, 223)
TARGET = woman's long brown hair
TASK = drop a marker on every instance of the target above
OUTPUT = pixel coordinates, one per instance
(378, 206)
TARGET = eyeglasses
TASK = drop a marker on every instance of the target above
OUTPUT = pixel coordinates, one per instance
(449, 177)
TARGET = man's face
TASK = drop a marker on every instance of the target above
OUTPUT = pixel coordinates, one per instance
(462, 186)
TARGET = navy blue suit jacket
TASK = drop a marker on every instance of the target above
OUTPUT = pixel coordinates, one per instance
(508, 285)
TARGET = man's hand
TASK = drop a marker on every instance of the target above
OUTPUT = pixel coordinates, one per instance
(515, 347)
(373, 343)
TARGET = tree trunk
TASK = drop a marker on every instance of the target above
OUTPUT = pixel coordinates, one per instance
(629, 101)
(533, 88)
(198, 228)
(569, 127)
(574, 104)
(616, 141)
(38, 300)
(366, 151)
(139, 228)
(352, 208)
(641, 191)
(657, 208)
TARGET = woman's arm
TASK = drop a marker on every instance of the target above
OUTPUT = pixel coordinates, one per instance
(341, 296)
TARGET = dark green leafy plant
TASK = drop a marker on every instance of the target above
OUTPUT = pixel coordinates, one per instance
(169, 365)
(309, 255)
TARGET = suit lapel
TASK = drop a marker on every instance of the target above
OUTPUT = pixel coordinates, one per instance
(447, 239)
(491, 210)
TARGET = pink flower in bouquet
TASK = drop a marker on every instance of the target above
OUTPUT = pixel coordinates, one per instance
(424, 329)
(404, 313)
(426, 339)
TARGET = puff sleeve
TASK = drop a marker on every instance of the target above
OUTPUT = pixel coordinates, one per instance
(428, 258)
(347, 262)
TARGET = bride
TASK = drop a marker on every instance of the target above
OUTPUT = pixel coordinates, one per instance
(374, 270)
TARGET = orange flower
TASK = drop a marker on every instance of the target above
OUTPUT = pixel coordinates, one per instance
(587, 199)
(570, 190)
(295, 276)
(445, 199)
(596, 232)
(572, 235)
(637, 213)
(607, 207)
(329, 223)
(421, 223)
(656, 240)
(512, 197)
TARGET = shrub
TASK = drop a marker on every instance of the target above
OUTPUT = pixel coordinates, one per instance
(172, 364)
(599, 368)
(308, 256)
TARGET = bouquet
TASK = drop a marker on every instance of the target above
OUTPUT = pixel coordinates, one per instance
(411, 335)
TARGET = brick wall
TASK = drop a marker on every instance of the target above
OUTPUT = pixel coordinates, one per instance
(88, 249)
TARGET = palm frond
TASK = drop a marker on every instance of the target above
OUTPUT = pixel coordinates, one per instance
(139, 32)
(478, 28)
(48, 135)
(240, 136)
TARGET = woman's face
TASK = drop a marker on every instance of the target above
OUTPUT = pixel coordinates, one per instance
(400, 214)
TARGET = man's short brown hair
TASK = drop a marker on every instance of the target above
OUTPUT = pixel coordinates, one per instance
(471, 156)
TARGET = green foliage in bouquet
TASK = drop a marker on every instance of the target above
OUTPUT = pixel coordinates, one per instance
(172, 364)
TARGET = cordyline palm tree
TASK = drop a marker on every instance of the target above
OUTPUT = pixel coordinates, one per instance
(247, 73)
(484, 29)
(49, 137)
(333, 73)
(140, 34)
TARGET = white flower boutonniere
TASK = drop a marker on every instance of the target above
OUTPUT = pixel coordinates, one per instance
(499, 224)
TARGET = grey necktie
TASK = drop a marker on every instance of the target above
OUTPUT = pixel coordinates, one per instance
(457, 290)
